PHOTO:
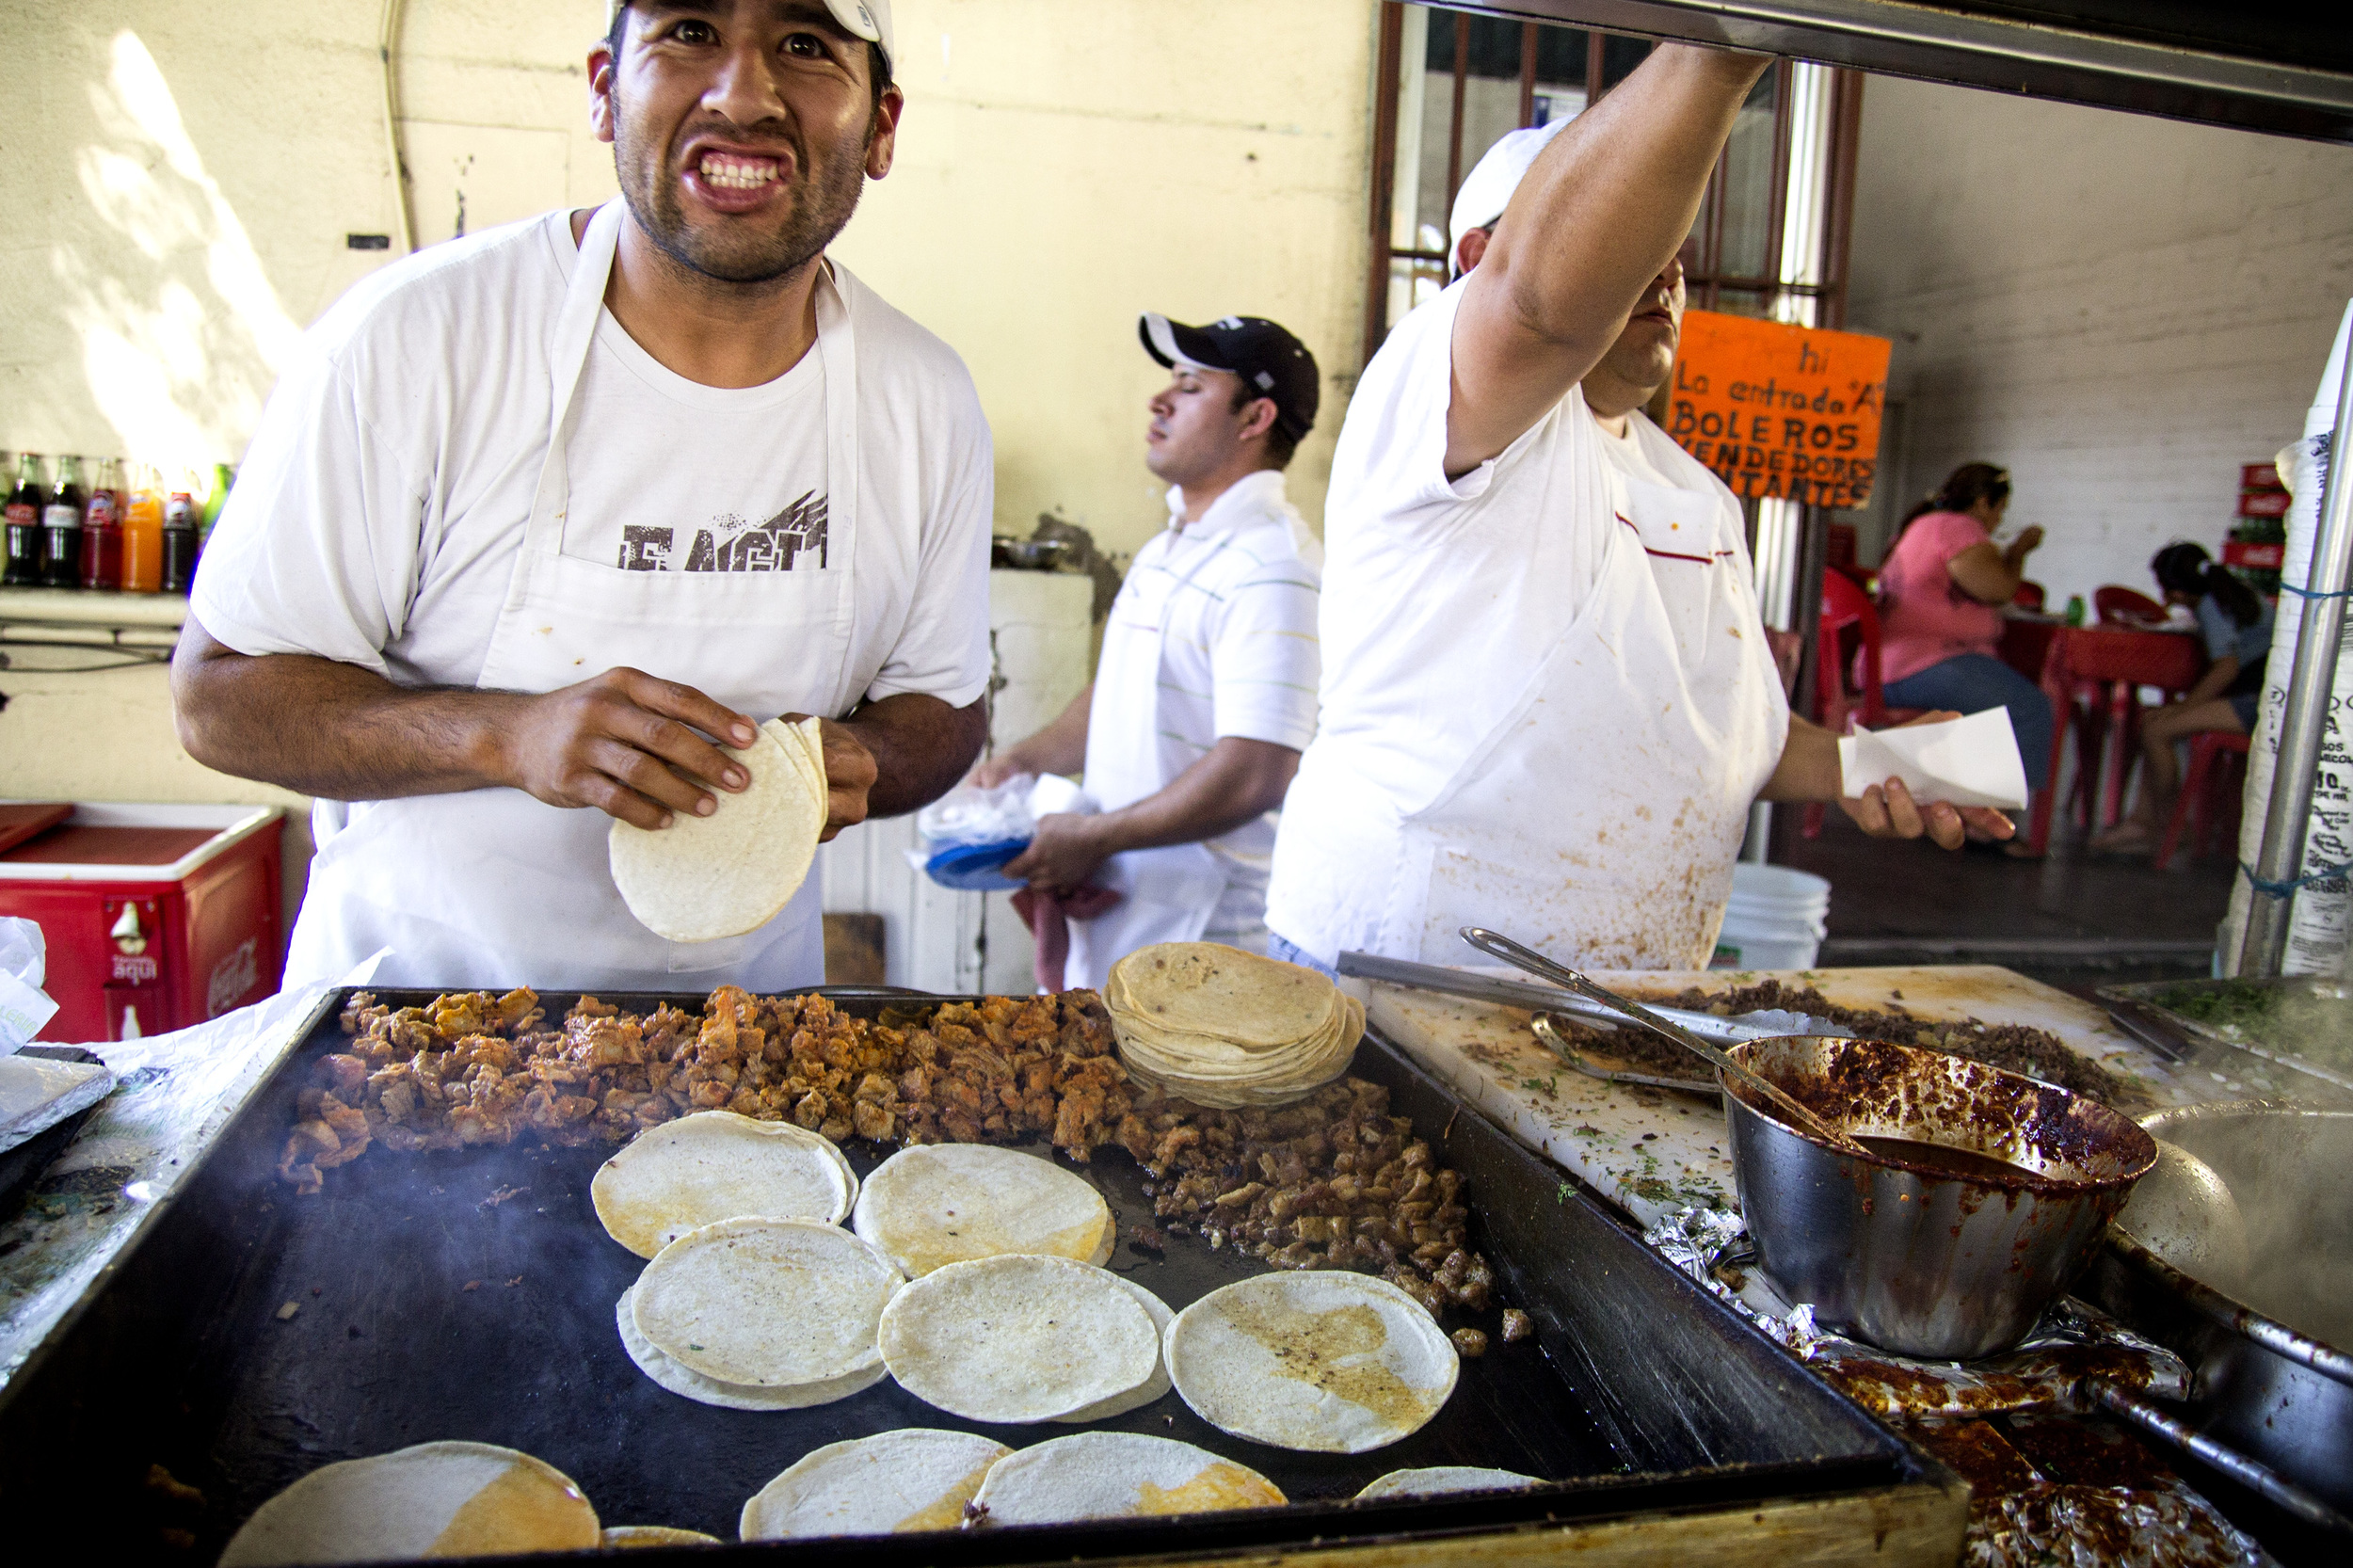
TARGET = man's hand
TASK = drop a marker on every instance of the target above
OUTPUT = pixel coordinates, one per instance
(850, 774)
(1888, 811)
(1064, 853)
(628, 744)
(996, 770)
(1809, 771)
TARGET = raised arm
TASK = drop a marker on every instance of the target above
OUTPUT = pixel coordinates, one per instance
(1599, 213)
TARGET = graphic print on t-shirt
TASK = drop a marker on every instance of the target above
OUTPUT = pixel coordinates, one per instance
(732, 544)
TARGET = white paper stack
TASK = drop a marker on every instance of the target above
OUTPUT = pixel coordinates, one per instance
(1967, 761)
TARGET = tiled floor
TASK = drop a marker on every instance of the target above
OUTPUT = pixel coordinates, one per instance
(2073, 919)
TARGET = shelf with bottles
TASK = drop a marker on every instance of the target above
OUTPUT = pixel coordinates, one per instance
(130, 529)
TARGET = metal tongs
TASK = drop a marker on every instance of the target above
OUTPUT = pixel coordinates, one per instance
(1497, 946)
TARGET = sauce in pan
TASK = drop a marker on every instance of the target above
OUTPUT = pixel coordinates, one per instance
(1940, 1156)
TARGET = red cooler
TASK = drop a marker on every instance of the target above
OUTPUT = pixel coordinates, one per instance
(156, 917)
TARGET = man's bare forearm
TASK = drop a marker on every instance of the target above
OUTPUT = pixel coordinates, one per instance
(1239, 781)
(921, 745)
(331, 729)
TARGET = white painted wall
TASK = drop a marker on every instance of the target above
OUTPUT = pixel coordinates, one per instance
(2119, 310)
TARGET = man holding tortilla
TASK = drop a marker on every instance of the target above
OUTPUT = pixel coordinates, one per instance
(1548, 700)
(546, 521)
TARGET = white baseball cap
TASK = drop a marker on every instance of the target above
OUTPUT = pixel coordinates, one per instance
(1487, 189)
(866, 19)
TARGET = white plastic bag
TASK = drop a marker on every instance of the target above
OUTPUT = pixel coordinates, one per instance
(24, 1008)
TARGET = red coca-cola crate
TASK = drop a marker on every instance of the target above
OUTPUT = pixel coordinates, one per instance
(156, 917)
(2258, 557)
(2263, 504)
(2259, 476)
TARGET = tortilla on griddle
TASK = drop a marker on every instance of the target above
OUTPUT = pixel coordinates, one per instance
(1019, 1337)
(1153, 1386)
(716, 1165)
(1439, 1479)
(624, 1537)
(1324, 1361)
(435, 1499)
(769, 1303)
(687, 1383)
(914, 1479)
(1113, 1475)
(945, 1203)
(703, 878)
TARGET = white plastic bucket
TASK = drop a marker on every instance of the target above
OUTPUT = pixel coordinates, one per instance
(1775, 918)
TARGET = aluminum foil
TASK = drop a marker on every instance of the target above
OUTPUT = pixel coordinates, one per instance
(2045, 1371)
(173, 1095)
(2104, 1526)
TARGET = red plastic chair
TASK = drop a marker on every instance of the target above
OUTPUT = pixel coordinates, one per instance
(2115, 605)
(1845, 605)
(2211, 770)
(2029, 596)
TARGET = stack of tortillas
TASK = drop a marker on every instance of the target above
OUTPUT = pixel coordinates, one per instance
(436, 1499)
(759, 1314)
(936, 1203)
(1224, 1028)
(1323, 1361)
(702, 879)
(716, 1165)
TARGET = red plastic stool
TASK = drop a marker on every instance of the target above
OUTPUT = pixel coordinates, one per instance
(2201, 786)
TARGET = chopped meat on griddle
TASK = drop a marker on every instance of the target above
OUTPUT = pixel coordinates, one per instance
(1329, 1181)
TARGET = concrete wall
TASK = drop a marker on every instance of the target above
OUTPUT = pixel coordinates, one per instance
(2119, 310)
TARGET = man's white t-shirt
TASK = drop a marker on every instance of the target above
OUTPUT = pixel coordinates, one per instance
(1440, 595)
(745, 489)
(379, 510)
(1213, 634)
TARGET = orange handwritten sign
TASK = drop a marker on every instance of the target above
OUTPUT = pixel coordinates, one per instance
(1776, 411)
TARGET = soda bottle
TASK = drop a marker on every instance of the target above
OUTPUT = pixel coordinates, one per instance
(143, 533)
(180, 515)
(23, 525)
(2075, 610)
(101, 528)
(61, 527)
(223, 477)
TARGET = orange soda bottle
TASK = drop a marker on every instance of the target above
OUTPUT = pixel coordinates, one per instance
(143, 533)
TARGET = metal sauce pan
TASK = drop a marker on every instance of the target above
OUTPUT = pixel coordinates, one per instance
(1910, 1258)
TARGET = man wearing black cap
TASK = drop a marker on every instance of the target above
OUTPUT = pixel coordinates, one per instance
(1206, 694)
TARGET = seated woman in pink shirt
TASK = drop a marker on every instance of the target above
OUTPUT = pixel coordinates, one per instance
(1940, 592)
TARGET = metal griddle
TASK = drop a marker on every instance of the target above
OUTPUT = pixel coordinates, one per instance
(1638, 1391)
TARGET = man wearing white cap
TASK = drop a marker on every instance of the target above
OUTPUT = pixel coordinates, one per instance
(545, 519)
(1205, 692)
(1549, 699)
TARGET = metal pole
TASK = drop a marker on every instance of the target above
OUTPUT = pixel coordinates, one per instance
(2312, 681)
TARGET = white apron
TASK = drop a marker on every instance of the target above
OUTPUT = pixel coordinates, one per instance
(493, 889)
(1166, 894)
(1600, 820)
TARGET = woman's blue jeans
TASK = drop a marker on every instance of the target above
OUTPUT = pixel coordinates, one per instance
(1972, 682)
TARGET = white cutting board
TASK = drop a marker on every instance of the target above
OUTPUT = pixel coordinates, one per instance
(1653, 1152)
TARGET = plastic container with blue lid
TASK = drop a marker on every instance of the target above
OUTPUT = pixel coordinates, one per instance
(973, 868)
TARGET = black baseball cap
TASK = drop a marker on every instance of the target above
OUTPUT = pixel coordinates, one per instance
(1266, 358)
